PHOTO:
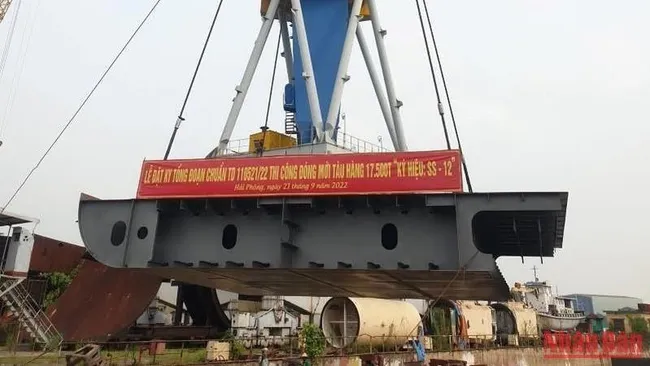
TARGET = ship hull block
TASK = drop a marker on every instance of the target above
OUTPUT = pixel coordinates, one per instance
(413, 246)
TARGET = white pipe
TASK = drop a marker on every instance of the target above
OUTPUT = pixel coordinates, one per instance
(388, 78)
(308, 69)
(379, 91)
(341, 75)
(242, 88)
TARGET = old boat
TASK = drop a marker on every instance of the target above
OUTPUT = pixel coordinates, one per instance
(554, 313)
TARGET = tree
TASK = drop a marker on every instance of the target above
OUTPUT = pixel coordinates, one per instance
(638, 324)
(57, 283)
(313, 339)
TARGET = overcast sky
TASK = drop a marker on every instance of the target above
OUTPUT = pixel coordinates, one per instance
(548, 95)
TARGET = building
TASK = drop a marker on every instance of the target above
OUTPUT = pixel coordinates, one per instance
(629, 320)
(273, 320)
(599, 304)
(159, 312)
(594, 323)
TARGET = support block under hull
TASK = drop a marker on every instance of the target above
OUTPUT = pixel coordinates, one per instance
(386, 246)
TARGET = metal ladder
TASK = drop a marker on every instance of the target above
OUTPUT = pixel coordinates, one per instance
(290, 127)
(30, 316)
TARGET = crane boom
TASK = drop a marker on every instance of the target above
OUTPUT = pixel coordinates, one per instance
(4, 6)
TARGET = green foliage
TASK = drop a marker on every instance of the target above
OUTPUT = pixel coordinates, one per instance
(237, 347)
(195, 356)
(313, 339)
(57, 282)
(439, 326)
(638, 324)
(11, 330)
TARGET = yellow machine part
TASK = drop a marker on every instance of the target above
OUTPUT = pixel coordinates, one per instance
(365, 11)
(272, 140)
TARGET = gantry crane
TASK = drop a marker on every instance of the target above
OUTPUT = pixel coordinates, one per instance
(311, 217)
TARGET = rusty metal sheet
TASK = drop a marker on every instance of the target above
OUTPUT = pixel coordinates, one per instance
(102, 302)
(50, 255)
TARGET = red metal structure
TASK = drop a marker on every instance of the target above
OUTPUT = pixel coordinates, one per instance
(102, 302)
(99, 302)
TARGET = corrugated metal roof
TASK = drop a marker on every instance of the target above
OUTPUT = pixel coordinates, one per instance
(102, 302)
(8, 218)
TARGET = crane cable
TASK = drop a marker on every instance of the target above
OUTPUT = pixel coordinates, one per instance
(180, 118)
(20, 65)
(83, 103)
(433, 75)
(9, 38)
(451, 110)
(5, 52)
(268, 103)
(432, 302)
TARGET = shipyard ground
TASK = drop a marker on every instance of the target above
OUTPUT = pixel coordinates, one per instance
(492, 357)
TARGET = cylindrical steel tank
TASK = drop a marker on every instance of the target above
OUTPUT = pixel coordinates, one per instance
(515, 322)
(526, 318)
(368, 321)
(478, 318)
(19, 252)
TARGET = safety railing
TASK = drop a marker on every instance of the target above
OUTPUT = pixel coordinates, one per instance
(358, 145)
(237, 147)
(186, 352)
(343, 140)
(30, 313)
(7, 283)
(287, 348)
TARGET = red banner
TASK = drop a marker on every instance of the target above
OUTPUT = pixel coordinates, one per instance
(303, 175)
(590, 345)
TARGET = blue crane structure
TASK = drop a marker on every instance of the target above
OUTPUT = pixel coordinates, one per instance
(387, 246)
(317, 55)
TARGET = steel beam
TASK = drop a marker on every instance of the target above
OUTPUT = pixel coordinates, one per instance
(242, 88)
(388, 77)
(286, 45)
(342, 73)
(379, 90)
(308, 73)
(384, 246)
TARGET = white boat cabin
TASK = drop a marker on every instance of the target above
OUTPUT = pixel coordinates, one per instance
(539, 296)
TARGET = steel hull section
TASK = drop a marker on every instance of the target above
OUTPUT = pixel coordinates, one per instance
(363, 246)
(409, 284)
